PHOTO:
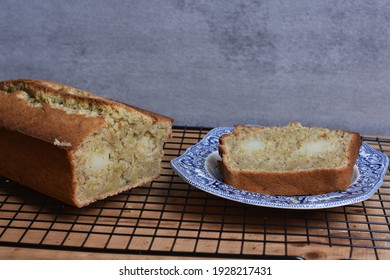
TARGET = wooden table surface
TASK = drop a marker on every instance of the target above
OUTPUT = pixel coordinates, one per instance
(170, 219)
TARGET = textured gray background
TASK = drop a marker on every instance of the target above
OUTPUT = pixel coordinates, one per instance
(212, 63)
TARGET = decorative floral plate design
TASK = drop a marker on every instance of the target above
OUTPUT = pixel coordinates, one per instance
(198, 167)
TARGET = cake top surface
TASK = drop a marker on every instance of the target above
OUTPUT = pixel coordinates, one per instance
(58, 113)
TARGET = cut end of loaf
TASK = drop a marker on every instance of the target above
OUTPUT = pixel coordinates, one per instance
(119, 157)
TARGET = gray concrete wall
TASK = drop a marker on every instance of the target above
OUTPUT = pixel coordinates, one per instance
(212, 63)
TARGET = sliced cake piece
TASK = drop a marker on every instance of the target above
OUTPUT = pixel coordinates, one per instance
(290, 160)
(75, 146)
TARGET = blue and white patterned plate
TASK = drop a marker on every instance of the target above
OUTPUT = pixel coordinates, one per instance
(198, 167)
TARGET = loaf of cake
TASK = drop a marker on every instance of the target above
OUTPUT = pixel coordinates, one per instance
(75, 146)
(289, 160)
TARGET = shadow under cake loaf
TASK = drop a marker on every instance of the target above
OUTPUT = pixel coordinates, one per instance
(75, 146)
(290, 160)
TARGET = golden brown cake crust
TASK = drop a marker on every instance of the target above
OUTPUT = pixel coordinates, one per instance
(44, 123)
(303, 182)
(37, 164)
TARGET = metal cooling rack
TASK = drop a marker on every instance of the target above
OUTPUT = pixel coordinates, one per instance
(169, 217)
